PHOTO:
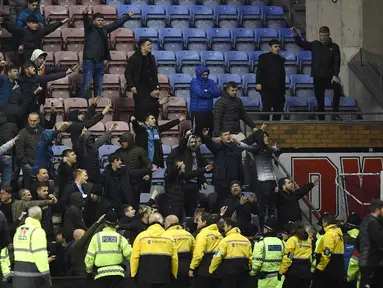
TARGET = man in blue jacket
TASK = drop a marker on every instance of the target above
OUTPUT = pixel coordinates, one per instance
(7, 83)
(202, 92)
(32, 8)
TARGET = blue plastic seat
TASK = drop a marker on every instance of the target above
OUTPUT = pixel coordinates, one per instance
(154, 16)
(166, 62)
(171, 39)
(348, 104)
(302, 85)
(187, 61)
(202, 16)
(150, 33)
(178, 16)
(253, 59)
(251, 104)
(223, 79)
(163, 3)
(115, 3)
(291, 62)
(273, 17)
(250, 16)
(226, 16)
(243, 39)
(158, 177)
(313, 104)
(214, 60)
(296, 104)
(135, 21)
(219, 39)
(195, 39)
(187, 3)
(263, 36)
(258, 3)
(180, 84)
(166, 149)
(249, 82)
(210, 3)
(104, 151)
(287, 39)
(237, 62)
(304, 62)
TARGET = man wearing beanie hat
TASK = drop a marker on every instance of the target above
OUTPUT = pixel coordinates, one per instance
(106, 253)
(267, 256)
(96, 205)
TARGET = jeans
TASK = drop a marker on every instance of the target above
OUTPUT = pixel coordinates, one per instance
(92, 70)
(6, 170)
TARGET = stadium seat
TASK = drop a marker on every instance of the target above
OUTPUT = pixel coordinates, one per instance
(117, 62)
(126, 107)
(56, 13)
(302, 85)
(226, 16)
(75, 13)
(59, 88)
(219, 39)
(4, 12)
(202, 16)
(121, 128)
(288, 86)
(187, 61)
(259, 3)
(115, 3)
(97, 129)
(101, 106)
(175, 108)
(304, 62)
(251, 104)
(291, 62)
(313, 104)
(263, 36)
(154, 16)
(135, 21)
(187, 3)
(348, 104)
(163, 3)
(287, 39)
(171, 39)
(210, 3)
(235, 3)
(111, 87)
(225, 78)
(104, 151)
(214, 60)
(249, 17)
(89, 2)
(243, 39)
(122, 39)
(150, 33)
(75, 104)
(237, 62)
(178, 16)
(66, 3)
(195, 39)
(52, 42)
(73, 39)
(166, 62)
(273, 17)
(58, 105)
(109, 12)
(163, 82)
(5, 40)
(139, 2)
(166, 149)
(180, 84)
(66, 58)
(248, 82)
(296, 104)
(253, 59)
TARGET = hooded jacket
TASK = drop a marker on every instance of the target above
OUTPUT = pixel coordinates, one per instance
(326, 58)
(44, 152)
(202, 91)
(27, 144)
(23, 16)
(228, 111)
(73, 217)
(8, 131)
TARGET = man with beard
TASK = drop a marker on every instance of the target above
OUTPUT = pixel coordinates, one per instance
(189, 153)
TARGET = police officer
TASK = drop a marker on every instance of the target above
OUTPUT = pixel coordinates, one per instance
(235, 251)
(329, 270)
(106, 253)
(267, 256)
(31, 255)
(185, 243)
(154, 258)
(206, 246)
(296, 261)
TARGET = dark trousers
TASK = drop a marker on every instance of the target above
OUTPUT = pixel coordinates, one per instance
(191, 191)
(265, 196)
(107, 282)
(182, 281)
(206, 282)
(135, 198)
(371, 277)
(324, 281)
(320, 85)
(235, 281)
(222, 194)
(296, 282)
(92, 70)
(202, 120)
(270, 99)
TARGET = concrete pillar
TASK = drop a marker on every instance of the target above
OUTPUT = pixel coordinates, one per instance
(373, 26)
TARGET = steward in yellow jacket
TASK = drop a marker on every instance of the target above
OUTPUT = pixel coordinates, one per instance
(154, 257)
(296, 260)
(31, 255)
(233, 256)
(206, 246)
(106, 253)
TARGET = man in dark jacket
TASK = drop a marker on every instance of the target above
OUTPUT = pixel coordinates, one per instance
(271, 80)
(46, 221)
(26, 146)
(141, 76)
(65, 170)
(148, 136)
(370, 246)
(31, 37)
(325, 67)
(227, 164)
(287, 201)
(96, 50)
(7, 83)
(133, 157)
(78, 185)
(96, 205)
(228, 111)
(73, 216)
(8, 132)
(202, 92)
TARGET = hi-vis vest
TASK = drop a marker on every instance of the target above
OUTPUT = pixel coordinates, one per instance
(106, 253)
(5, 263)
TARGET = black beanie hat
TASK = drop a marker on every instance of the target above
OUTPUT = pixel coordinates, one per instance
(111, 218)
(234, 182)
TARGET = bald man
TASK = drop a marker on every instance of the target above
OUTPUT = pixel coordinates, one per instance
(185, 243)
